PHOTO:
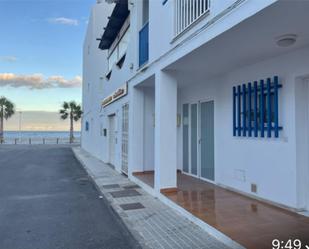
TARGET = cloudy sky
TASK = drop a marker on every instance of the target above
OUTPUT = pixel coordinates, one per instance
(41, 57)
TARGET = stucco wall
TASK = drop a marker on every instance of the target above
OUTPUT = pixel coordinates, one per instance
(268, 162)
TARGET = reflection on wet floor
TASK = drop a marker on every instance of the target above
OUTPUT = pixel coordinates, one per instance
(252, 223)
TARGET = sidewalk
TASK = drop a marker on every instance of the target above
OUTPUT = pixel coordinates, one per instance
(152, 223)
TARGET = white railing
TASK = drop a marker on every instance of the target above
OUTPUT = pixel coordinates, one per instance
(187, 12)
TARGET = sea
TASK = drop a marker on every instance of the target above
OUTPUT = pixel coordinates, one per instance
(39, 134)
(40, 137)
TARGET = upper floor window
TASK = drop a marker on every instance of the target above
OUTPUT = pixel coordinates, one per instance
(188, 12)
(144, 35)
(145, 15)
(119, 48)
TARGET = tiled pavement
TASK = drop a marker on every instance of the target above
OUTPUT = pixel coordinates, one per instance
(154, 224)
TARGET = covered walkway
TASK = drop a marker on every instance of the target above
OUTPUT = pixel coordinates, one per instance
(251, 223)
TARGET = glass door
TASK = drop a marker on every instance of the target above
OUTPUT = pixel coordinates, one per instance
(207, 167)
(194, 139)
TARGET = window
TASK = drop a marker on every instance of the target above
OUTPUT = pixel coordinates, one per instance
(119, 49)
(145, 15)
(144, 45)
(87, 126)
(112, 59)
(255, 108)
(123, 44)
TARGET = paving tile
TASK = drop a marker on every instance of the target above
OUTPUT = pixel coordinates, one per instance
(132, 206)
(111, 186)
(125, 193)
(156, 226)
(131, 187)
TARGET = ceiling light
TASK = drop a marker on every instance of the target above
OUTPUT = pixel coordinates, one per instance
(286, 40)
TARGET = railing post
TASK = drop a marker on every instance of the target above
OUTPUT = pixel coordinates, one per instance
(262, 107)
(43, 140)
(276, 82)
(57, 140)
(15, 140)
(29, 140)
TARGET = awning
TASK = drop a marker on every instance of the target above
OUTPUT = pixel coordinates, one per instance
(116, 20)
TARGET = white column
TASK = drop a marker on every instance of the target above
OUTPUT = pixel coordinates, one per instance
(165, 131)
(136, 122)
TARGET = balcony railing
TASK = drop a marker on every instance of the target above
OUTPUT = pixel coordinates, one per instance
(144, 44)
(188, 12)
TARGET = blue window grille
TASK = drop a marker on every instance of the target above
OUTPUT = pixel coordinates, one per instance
(144, 44)
(87, 126)
(255, 109)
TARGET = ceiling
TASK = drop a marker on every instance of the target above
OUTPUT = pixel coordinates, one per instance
(250, 41)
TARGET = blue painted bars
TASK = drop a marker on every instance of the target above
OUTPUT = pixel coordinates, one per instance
(268, 108)
(238, 111)
(262, 107)
(234, 111)
(276, 112)
(249, 110)
(244, 111)
(256, 109)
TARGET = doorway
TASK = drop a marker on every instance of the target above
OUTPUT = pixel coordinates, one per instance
(198, 140)
(112, 140)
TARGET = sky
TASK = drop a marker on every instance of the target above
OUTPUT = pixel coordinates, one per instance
(41, 56)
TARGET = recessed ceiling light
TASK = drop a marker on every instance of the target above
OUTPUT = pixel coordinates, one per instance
(286, 40)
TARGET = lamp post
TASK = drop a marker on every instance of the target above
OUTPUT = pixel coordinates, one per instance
(20, 113)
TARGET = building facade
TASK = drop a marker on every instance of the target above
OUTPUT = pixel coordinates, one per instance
(217, 90)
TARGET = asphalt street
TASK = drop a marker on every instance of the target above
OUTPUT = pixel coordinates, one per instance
(47, 201)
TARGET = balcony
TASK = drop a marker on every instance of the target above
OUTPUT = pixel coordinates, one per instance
(144, 45)
(187, 12)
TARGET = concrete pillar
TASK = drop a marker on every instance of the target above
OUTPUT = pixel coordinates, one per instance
(136, 126)
(165, 132)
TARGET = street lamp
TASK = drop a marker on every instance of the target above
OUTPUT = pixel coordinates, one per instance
(20, 113)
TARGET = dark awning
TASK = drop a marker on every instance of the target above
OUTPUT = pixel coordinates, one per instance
(116, 20)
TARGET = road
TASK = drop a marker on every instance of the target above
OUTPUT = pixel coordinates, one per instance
(48, 202)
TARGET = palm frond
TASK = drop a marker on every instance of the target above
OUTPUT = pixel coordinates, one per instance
(63, 111)
(72, 105)
(64, 116)
(77, 112)
(7, 108)
(65, 105)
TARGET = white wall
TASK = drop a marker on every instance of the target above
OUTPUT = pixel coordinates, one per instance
(268, 162)
(94, 64)
(149, 111)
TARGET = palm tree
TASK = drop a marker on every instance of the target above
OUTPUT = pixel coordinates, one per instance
(74, 112)
(7, 110)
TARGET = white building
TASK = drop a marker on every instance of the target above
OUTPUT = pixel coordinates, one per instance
(161, 93)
